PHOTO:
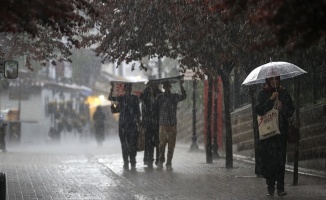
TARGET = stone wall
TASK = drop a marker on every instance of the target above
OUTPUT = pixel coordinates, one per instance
(313, 133)
(185, 124)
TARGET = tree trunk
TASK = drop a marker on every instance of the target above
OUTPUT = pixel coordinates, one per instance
(215, 142)
(194, 145)
(228, 127)
(209, 155)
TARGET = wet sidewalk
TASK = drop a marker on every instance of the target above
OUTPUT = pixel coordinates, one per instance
(193, 178)
(90, 172)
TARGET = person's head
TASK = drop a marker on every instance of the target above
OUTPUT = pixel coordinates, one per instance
(273, 82)
(128, 88)
(153, 86)
(167, 86)
(99, 108)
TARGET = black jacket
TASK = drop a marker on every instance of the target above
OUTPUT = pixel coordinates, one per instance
(264, 104)
(272, 151)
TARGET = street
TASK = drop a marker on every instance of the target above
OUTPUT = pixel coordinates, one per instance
(82, 170)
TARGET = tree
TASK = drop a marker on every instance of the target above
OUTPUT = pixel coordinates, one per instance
(60, 16)
(43, 30)
(210, 37)
(202, 41)
(293, 24)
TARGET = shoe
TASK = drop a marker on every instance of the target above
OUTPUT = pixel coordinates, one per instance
(270, 193)
(133, 165)
(281, 193)
(126, 166)
(169, 167)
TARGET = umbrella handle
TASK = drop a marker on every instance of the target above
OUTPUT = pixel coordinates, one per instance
(275, 84)
(276, 103)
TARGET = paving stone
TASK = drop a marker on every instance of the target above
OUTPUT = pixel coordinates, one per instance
(54, 174)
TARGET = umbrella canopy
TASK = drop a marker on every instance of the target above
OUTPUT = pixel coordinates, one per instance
(173, 79)
(283, 69)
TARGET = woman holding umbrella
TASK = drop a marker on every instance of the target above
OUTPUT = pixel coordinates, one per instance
(273, 149)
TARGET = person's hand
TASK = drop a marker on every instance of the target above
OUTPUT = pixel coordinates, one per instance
(274, 96)
(279, 105)
(112, 86)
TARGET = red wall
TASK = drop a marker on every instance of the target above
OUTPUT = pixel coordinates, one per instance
(219, 122)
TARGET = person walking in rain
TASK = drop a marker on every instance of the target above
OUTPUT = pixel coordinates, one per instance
(167, 105)
(129, 118)
(99, 124)
(150, 121)
(273, 149)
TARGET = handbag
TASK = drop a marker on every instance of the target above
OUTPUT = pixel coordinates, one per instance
(140, 138)
(268, 124)
(115, 107)
(293, 133)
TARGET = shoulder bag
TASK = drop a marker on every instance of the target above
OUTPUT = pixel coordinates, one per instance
(293, 133)
(140, 137)
(268, 124)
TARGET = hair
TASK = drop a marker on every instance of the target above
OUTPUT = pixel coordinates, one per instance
(268, 80)
(166, 83)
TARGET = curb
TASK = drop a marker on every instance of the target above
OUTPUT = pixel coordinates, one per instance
(289, 168)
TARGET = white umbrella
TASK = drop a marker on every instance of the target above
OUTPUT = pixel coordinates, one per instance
(283, 69)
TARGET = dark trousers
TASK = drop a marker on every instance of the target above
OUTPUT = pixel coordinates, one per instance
(99, 132)
(128, 139)
(271, 184)
(273, 162)
(151, 141)
(149, 153)
(279, 173)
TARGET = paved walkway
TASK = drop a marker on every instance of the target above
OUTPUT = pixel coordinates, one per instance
(85, 171)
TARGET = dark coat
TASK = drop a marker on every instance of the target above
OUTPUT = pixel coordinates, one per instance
(150, 114)
(99, 121)
(273, 150)
(129, 109)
